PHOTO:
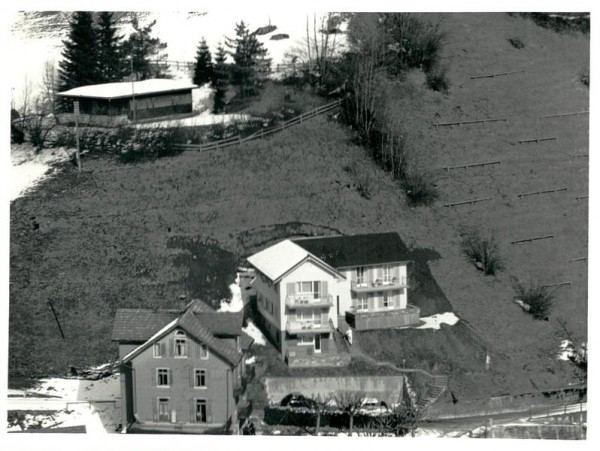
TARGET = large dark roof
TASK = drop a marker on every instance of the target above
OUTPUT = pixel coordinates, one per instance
(356, 250)
(137, 325)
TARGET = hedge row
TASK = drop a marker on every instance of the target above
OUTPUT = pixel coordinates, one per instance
(306, 418)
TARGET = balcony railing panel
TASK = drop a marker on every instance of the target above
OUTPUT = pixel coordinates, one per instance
(308, 301)
(307, 327)
(379, 284)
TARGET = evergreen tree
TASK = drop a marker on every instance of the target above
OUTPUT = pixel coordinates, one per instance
(203, 72)
(220, 79)
(250, 58)
(111, 66)
(143, 48)
(79, 66)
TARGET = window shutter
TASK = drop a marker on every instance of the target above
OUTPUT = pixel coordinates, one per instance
(396, 273)
(324, 289)
(291, 288)
(208, 412)
(171, 384)
(324, 318)
(153, 376)
(171, 347)
(379, 274)
(371, 303)
(155, 410)
(192, 377)
(207, 378)
(198, 349)
(192, 410)
(163, 349)
(370, 274)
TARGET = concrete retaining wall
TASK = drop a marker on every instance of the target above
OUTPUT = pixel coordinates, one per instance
(384, 388)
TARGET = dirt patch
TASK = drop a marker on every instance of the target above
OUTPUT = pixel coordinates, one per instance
(211, 269)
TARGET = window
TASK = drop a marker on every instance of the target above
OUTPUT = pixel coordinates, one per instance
(180, 344)
(163, 409)
(203, 351)
(156, 350)
(387, 274)
(200, 378)
(387, 301)
(162, 377)
(362, 304)
(309, 289)
(360, 276)
(306, 340)
(201, 410)
(309, 316)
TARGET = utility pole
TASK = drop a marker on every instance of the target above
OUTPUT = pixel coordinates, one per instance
(77, 154)
(132, 90)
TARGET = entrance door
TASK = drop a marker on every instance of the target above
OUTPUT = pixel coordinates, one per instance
(317, 343)
(163, 409)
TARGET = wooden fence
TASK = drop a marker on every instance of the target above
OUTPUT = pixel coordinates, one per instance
(238, 139)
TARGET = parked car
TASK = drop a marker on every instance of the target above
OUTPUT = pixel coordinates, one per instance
(298, 401)
(372, 406)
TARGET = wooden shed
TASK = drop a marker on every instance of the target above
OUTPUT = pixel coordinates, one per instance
(115, 103)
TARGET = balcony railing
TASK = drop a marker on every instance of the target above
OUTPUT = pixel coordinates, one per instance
(307, 301)
(362, 285)
(306, 327)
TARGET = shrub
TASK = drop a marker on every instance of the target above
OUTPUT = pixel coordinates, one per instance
(538, 298)
(482, 250)
(361, 176)
(516, 43)
(437, 79)
(151, 143)
(585, 79)
(419, 189)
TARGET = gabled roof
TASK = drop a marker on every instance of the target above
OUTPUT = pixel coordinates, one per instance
(192, 325)
(138, 325)
(279, 259)
(128, 89)
(356, 250)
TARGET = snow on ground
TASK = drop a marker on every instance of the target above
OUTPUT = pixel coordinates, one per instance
(236, 303)
(251, 360)
(435, 321)
(204, 118)
(255, 333)
(28, 168)
(97, 417)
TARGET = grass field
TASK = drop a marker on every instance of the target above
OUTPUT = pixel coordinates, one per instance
(106, 238)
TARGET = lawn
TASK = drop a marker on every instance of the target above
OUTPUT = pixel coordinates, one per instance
(123, 235)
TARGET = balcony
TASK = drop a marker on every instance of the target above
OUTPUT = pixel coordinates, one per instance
(307, 327)
(383, 319)
(298, 301)
(368, 285)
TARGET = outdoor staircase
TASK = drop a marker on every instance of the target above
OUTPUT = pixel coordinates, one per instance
(437, 387)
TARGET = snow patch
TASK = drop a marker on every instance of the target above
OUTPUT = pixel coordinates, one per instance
(204, 118)
(255, 333)
(29, 168)
(251, 360)
(435, 321)
(236, 303)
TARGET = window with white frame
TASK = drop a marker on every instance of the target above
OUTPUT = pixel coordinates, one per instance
(387, 274)
(310, 289)
(156, 350)
(362, 303)
(200, 378)
(304, 340)
(162, 377)
(361, 275)
(203, 351)
(309, 316)
(180, 344)
(387, 300)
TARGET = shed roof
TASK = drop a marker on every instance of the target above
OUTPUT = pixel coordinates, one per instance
(128, 89)
(356, 250)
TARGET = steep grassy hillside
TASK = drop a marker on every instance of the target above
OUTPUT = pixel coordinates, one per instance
(107, 239)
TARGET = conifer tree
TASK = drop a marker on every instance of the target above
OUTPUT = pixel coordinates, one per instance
(220, 79)
(79, 66)
(143, 48)
(203, 72)
(111, 64)
(249, 57)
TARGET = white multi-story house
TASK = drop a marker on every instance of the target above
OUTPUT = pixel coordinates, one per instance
(307, 287)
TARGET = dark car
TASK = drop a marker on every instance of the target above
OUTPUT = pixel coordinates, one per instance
(298, 401)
